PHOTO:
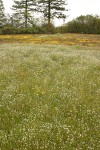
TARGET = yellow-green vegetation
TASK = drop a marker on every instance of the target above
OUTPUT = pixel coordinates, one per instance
(49, 96)
(65, 39)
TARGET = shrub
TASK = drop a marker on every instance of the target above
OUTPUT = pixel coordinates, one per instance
(8, 30)
(84, 24)
(48, 29)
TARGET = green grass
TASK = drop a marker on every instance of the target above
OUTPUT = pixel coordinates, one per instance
(50, 97)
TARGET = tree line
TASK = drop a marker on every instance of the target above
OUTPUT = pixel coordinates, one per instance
(88, 24)
(25, 12)
(37, 16)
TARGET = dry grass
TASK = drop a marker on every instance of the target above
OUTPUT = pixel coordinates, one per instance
(56, 39)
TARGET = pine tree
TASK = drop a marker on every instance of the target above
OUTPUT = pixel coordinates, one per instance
(24, 10)
(2, 15)
(52, 9)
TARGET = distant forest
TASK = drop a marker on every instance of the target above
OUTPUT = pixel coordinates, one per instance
(24, 18)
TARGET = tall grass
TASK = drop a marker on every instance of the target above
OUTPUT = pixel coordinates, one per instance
(50, 97)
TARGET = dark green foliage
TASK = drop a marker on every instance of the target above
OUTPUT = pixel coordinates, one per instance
(84, 24)
(52, 9)
(24, 12)
(9, 30)
(48, 29)
(30, 30)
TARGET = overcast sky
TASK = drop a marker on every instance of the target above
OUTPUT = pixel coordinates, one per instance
(77, 7)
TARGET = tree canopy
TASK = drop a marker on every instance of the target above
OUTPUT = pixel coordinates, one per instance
(23, 11)
(84, 24)
(2, 14)
(52, 9)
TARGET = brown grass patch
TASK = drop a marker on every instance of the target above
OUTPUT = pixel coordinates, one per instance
(65, 39)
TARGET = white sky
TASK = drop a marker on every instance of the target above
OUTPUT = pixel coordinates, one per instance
(76, 7)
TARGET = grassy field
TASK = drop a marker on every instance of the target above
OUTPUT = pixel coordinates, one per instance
(49, 95)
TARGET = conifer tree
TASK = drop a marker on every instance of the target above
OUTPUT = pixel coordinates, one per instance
(23, 10)
(2, 14)
(52, 9)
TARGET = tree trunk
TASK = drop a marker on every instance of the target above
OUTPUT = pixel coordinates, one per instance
(49, 13)
(26, 16)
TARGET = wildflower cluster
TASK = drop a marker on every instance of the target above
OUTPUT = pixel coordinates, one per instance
(50, 97)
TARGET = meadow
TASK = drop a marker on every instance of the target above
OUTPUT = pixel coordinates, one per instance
(50, 92)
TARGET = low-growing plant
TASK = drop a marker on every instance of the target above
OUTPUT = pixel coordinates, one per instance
(49, 97)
